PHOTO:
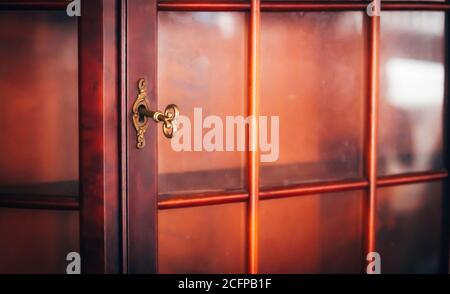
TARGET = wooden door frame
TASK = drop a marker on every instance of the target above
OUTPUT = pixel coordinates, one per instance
(119, 204)
(118, 195)
(370, 182)
(136, 54)
(98, 73)
(132, 26)
(99, 137)
(139, 49)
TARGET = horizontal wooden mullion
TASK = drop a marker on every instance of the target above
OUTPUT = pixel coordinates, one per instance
(300, 190)
(349, 5)
(34, 5)
(53, 202)
(226, 5)
(180, 202)
(62, 202)
(314, 188)
(411, 178)
(229, 5)
(312, 6)
(398, 5)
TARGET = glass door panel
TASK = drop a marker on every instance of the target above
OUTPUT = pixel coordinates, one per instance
(37, 241)
(202, 239)
(313, 78)
(39, 86)
(409, 228)
(38, 138)
(312, 234)
(202, 69)
(202, 59)
(412, 92)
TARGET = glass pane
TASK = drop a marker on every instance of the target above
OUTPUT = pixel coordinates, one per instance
(39, 86)
(201, 67)
(409, 228)
(312, 234)
(207, 239)
(313, 78)
(412, 92)
(37, 241)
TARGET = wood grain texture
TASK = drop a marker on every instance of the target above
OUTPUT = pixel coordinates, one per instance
(99, 138)
(142, 163)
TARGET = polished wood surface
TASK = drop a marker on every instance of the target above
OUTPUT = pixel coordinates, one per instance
(372, 134)
(253, 157)
(299, 5)
(119, 233)
(53, 202)
(445, 221)
(99, 206)
(98, 192)
(58, 195)
(142, 163)
(226, 5)
(411, 178)
(33, 4)
(111, 121)
(98, 140)
(180, 201)
(199, 200)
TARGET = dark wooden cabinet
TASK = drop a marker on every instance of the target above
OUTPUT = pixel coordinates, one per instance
(362, 103)
(60, 140)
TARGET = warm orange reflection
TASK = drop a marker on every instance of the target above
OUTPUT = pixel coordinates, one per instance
(313, 77)
(409, 228)
(37, 241)
(39, 97)
(412, 92)
(207, 239)
(312, 234)
(202, 59)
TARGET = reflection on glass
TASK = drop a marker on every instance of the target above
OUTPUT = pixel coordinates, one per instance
(313, 78)
(37, 241)
(207, 239)
(39, 98)
(409, 228)
(412, 92)
(201, 64)
(312, 234)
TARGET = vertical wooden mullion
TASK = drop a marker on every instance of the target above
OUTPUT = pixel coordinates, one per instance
(372, 127)
(253, 154)
(92, 176)
(123, 136)
(98, 117)
(141, 165)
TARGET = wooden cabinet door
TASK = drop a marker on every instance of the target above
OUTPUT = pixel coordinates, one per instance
(141, 164)
(354, 172)
(59, 175)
